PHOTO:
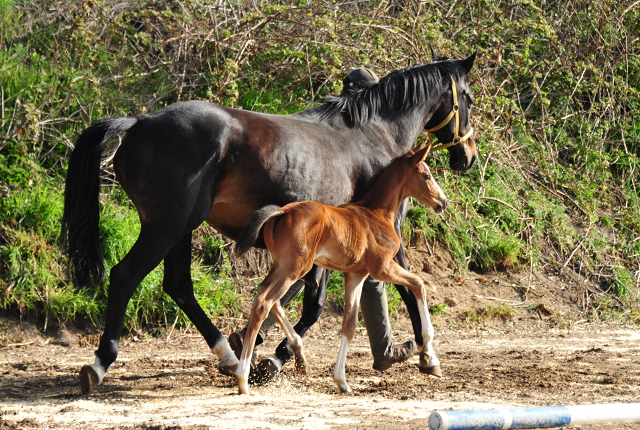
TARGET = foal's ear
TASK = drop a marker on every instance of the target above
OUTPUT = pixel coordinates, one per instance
(467, 63)
(420, 155)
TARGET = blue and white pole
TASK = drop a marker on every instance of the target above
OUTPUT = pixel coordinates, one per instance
(531, 418)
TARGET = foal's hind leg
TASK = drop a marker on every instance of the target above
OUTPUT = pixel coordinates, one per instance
(271, 290)
(178, 284)
(148, 251)
(294, 339)
(315, 291)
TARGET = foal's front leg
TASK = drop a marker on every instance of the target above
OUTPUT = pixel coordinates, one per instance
(394, 273)
(353, 289)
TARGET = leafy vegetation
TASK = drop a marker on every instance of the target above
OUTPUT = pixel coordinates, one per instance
(556, 87)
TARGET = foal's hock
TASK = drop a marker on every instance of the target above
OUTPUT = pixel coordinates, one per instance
(357, 239)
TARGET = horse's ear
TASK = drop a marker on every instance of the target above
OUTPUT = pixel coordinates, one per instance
(467, 63)
(434, 55)
(420, 154)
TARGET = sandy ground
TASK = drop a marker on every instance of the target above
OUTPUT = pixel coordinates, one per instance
(157, 384)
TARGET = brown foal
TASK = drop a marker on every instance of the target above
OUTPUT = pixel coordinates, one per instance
(357, 239)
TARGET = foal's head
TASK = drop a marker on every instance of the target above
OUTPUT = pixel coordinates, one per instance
(421, 184)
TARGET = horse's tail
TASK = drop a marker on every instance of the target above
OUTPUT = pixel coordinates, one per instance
(249, 235)
(80, 235)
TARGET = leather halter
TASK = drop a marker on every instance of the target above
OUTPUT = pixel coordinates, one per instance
(454, 113)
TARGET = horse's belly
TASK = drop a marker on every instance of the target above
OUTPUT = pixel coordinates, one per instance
(325, 259)
(230, 216)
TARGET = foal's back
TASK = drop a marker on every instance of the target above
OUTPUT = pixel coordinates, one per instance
(341, 238)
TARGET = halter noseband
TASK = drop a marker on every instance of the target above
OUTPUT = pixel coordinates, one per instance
(454, 113)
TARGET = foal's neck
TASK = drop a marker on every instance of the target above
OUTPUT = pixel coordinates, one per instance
(387, 193)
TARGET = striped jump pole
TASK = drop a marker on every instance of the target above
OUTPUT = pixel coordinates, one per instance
(532, 418)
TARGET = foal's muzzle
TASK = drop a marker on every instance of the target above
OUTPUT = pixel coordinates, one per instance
(441, 206)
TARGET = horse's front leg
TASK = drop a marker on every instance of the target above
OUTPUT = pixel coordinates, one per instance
(353, 289)
(407, 297)
(394, 273)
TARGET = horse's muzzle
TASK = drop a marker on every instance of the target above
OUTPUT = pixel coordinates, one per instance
(441, 206)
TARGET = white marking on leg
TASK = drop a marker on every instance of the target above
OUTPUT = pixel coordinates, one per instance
(277, 362)
(224, 353)
(339, 371)
(242, 375)
(99, 369)
(427, 334)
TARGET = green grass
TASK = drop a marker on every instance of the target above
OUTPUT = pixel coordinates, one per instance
(438, 309)
(35, 278)
(497, 311)
(559, 140)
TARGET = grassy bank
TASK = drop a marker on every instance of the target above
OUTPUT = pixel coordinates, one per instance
(556, 88)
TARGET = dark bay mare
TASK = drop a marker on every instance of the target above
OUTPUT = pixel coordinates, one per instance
(195, 161)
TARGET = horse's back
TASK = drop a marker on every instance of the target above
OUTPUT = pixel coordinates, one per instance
(167, 161)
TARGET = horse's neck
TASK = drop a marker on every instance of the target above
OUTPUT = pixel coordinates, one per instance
(387, 193)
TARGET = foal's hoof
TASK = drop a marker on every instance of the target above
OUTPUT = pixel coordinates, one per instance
(268, 370)
(431, 370)
(89, 379)
(343, 386)
(301, 367)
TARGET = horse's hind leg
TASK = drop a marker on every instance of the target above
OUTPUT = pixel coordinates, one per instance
(294, 339)
(353, 289)
(270, 290)
(148, 251)
(315, 291)
(178, 284)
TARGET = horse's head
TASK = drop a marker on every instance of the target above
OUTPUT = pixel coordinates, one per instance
(421, 184)
(450, 122)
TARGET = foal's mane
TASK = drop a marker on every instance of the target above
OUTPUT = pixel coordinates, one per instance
(395, 92)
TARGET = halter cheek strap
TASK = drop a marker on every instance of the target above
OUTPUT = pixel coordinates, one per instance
(454, 113)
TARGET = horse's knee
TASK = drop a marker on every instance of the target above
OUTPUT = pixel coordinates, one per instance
(260, 310)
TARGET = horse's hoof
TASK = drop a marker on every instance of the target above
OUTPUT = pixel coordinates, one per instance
(243, 387)
(344, 388)
(89, 379)
(301, 367)
(228, 370)
(267, 370)
(431, 370)
(254, 376)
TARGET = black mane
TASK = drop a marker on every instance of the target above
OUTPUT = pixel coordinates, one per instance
(400, 90)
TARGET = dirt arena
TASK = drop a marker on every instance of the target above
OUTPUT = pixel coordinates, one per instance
(157, 384)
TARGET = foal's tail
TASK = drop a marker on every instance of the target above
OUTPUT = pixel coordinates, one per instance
(250, 233)
(80, 235)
